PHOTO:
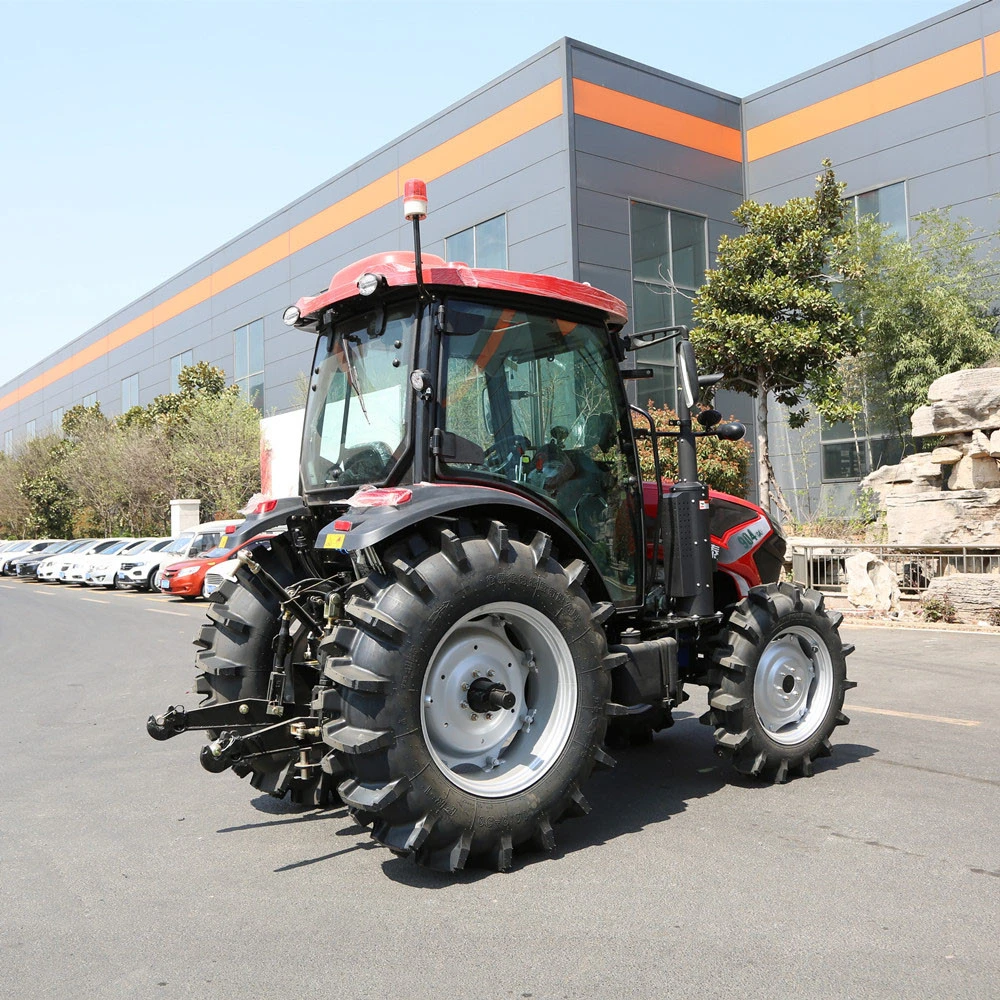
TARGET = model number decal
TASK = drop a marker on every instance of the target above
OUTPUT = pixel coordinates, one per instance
(744, 539)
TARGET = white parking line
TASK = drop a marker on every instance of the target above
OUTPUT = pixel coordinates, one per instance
(914, 715)
(93, 600)
(163, 611)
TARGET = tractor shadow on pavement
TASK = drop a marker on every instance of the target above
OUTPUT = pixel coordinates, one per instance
(649, 785)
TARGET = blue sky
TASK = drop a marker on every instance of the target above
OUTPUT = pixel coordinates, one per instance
(137, 137)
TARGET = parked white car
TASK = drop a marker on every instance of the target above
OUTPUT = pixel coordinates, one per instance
(103, 567)
(137, 568)
(73, 570)
(48, 568)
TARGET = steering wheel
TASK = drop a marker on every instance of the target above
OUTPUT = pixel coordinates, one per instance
(366, 465)
(519, 445)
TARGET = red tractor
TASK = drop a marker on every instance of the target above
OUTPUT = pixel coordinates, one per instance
(477, 594)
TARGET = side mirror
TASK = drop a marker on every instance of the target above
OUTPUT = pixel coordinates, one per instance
(709, 418)
(733, 431)
(687, 369)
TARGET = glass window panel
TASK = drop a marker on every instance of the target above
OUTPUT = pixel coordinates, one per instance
(175, 371)
(57, 418)
(687, 235)
(650, 307)
(491, 243)
(650, 249)
(683, 311)
(845, 460)
(240, 354)
(660, 390)
(868, 204)
(843, 430)
(256, 345)
(29, 428)
(90, 399)
(892, 208)
(461, 247)
(256, 390)
(8, 441)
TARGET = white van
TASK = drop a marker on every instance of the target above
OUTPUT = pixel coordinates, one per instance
(198, 541)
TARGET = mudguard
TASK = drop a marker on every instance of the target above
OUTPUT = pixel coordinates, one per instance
(360, 527)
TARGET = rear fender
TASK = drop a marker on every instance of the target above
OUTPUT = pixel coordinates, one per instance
(361, 528)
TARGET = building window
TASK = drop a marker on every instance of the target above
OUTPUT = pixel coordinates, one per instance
(669, 252)
(29, 429)
(177, 364)
(248, 361)
(887, 204)
(852, 449)
(90, 399)
(8, 442)
(130, 392)
(482, 245)
(57, 415)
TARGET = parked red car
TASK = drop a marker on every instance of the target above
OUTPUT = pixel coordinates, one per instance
(186, 579)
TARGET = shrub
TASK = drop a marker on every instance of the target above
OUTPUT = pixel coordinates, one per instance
(939, 609)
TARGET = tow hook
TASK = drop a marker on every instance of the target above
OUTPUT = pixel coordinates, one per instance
(218, 755)
(172, 722)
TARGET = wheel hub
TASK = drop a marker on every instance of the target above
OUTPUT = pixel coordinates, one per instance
(499, 699)
(793, 684)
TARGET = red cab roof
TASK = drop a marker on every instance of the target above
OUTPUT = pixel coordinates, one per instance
(398, 270)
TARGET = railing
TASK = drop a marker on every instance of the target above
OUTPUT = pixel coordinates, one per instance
(821, 566)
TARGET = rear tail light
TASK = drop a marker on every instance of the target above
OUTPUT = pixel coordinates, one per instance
(264, 507)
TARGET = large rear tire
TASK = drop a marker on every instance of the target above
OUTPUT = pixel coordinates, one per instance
(444, 776)
(779, 680)
(235, 658)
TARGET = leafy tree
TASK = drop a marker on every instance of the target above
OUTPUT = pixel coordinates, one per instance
(724, 465)
(768, 317)
(216, 452)
(925, 307)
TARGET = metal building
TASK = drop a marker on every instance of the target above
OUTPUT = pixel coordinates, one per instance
(581, 164)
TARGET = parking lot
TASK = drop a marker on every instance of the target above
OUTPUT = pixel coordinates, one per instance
(128, 871)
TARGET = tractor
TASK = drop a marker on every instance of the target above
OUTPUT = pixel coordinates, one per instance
(476, 596)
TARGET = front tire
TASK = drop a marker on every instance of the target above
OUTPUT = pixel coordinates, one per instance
(778, 682)
(443, 775)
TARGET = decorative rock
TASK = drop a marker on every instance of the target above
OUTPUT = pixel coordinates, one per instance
(974, 593)
(871, 583)
(968, 517)
(946, 456)
(961, 401)
(995, 444)
(980, 446)
(974, 474)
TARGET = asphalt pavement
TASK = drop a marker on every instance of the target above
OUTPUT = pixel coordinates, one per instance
(127, 871)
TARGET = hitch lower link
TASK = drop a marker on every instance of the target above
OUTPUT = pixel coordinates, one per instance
(252, 737)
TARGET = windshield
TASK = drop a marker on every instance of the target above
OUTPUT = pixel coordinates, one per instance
(541, 396)
(179, 544)
(117, 547)
(161, 545)
(358, 416)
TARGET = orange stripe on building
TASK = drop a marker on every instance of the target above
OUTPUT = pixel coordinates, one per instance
(615, 108)
(888, 93)
(991, 53)
(517, 119)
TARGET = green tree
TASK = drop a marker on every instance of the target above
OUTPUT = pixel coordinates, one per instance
(925, 307)
(216, 452)
(724, 465)
(768, 317)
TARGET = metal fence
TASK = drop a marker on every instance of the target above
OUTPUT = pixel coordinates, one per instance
(821, 566)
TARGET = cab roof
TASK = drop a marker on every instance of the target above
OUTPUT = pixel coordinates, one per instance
(397, 270)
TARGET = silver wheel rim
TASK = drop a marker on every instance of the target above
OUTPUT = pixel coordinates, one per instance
(498, 753)
(793, 685)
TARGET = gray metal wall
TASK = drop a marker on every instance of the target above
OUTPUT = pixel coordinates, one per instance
(527, 178)
(946, 147)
